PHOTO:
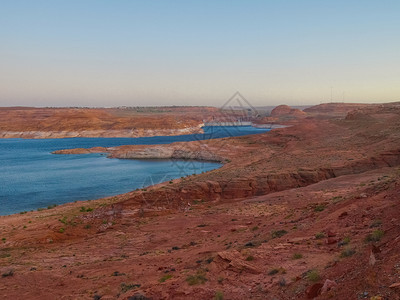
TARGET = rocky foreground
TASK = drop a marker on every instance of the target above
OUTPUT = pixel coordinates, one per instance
(302, 212)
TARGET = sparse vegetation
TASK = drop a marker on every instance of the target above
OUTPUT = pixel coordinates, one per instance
(63, 220)
(345, 241)
(375, 236)
(84, 209)
(282, 282)
(198, 278)
(319, 235)
(347, 252)
(128, 286)
(273, 272)
(165, 278)
(4, 255)
(313, 275)
(219, 295)
(297, 256)
(376, 223)
(319, 208)
(61, 230)
(250, 258)
(278, 233)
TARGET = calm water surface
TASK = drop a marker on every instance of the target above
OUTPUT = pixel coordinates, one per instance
(31, 177)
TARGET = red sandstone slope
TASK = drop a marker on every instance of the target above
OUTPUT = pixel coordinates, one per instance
(289, 210)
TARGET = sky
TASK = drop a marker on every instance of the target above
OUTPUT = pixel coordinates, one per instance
(198, 52)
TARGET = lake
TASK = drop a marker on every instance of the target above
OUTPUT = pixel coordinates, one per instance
(31, 177)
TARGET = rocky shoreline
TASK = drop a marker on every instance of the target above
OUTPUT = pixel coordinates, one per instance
(100, 133)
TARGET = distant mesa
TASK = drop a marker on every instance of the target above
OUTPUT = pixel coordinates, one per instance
(340, 109)
(285, 110)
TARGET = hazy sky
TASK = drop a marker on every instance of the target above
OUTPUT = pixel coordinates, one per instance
(127, 52)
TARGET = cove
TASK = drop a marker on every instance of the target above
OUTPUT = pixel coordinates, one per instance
(31, 177)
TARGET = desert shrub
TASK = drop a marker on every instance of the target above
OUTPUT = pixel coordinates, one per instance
(313, 275)
(375, 236)
(273, 272)
(198, 278)
(347, 252)
(297, 256)
(219, 295)
(84, 209)
(165, 278)
(319, 235)
(278, 233)
(345, 241)
(376, 223)
(319, 208)
(128, 286)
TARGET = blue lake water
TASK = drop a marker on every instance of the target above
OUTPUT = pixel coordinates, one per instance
(31, 177)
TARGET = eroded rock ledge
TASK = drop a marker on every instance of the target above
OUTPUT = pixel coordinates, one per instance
(152, 152)
(100, 133)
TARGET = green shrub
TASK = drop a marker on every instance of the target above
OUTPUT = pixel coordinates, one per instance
(319, 208)
(313, 275)
(198, 278)
(375, 236)
(219, 295)
(278, 233)
(165, 278)
(297, 256)
(345, 241)
(347, 252)
(319, 235)
(84, 209)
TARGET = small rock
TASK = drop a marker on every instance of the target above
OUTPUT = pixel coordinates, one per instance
(375, 249)
(394, 285)
(372, 259)
(330, 233)
(328, 285)
(331, 240)
(7, 273)
(314, 290)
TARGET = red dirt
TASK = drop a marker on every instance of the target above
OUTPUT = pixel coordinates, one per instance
(321, 195)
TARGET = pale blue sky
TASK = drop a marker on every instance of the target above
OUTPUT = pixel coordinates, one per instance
(127, 52)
